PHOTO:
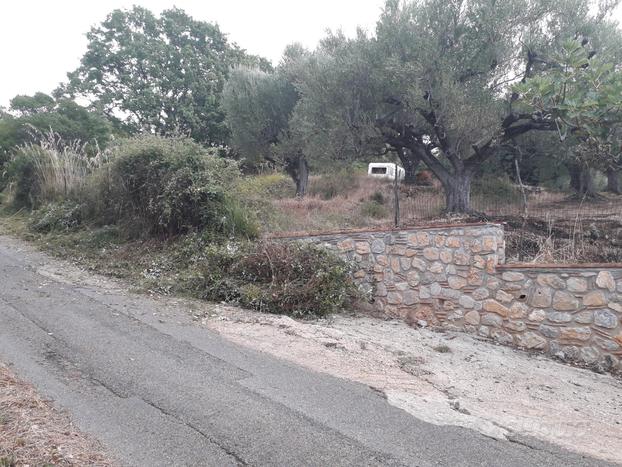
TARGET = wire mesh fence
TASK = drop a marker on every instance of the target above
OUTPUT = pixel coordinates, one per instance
(427, 203)
(542, 225)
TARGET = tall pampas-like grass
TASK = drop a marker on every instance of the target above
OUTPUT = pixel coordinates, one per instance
(60, 167)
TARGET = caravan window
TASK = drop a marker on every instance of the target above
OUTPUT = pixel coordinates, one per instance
(379, 170)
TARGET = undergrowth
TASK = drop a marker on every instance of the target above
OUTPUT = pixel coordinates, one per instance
(299, 280)
(286, 278)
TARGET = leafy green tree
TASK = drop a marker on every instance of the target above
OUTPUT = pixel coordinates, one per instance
(582, 94)
(31, 105)
(161, 74)
(340, 92)
(258, 106)
(29, 115)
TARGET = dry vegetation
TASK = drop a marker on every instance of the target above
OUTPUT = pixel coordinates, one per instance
(359, 202)
(558, 240)
(558, 227)
(33, 433)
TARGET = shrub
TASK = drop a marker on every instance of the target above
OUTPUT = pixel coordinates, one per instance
(266, 187)
(57, 217)
(158, 185)
(377, 197)
(24, 189)
(373, 209)
(50, 171)
(328, 186)
(285, 278)
(256, 194)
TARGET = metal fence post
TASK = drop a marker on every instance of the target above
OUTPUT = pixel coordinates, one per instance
(396, 194)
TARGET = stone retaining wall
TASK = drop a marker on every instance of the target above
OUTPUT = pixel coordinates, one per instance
(455, 277)
(571, 312)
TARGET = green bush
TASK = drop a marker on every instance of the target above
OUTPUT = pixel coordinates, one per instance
(21, 177)
(57, 217)
(377, 197)
(373, 209)
(256, 194)
(157, 185)
(266, 187)
(285, 278)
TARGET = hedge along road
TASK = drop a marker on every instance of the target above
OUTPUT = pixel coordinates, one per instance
(156, 390)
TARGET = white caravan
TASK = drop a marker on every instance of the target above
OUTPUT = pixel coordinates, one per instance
(385, 170)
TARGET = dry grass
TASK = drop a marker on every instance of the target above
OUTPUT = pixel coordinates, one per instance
(61, 167)
(344, 210)
(33, 433)
(555, 240)
(559, 228)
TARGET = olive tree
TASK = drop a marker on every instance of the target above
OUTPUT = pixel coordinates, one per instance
(258, 106)
(434, 83)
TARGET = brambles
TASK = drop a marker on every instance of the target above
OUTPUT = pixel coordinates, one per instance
(285, 278)
(374, 210)
(57, 217)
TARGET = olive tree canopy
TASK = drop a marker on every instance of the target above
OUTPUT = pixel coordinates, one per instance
(434, 83)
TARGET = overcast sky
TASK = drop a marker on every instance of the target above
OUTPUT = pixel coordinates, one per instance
(41, 40)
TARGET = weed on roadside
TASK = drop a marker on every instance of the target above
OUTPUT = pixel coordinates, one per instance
(442, 348)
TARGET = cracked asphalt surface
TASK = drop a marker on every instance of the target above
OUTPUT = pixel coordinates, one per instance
(164, 392)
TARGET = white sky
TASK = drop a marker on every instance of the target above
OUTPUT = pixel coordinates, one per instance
(41, 40)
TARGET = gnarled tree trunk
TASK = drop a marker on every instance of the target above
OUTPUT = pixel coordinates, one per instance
(458, 193)
(297, 167)
(303, 176)
(581, 180)
(613, 181)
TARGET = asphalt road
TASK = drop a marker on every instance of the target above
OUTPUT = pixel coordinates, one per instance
(156, 390)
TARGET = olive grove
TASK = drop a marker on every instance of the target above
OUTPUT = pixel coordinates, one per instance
(436, 83)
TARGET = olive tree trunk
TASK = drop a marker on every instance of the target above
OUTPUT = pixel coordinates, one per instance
(458, 193)
(456, 183)
(613, 181)
(581, 180)
(302, 182)
(297, 168)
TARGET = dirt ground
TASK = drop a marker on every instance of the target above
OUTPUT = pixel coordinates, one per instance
(443, 378)
(33, 433)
